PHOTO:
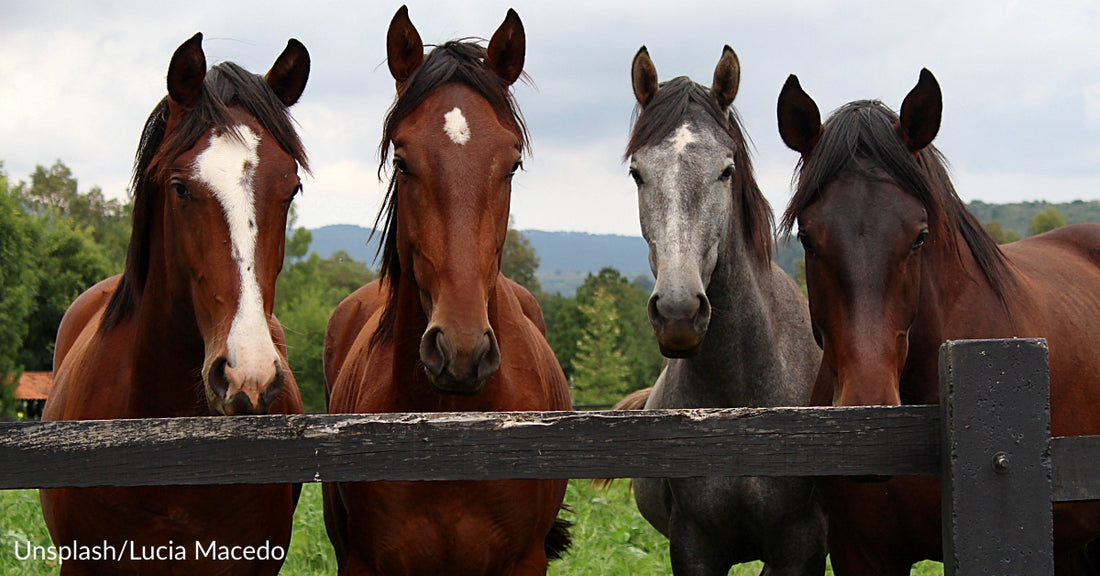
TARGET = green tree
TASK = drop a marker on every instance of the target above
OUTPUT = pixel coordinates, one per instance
(520, 262)
(600, 368)
(52, 194)
(567, 323)
(306, 293)
(800, 276)
(68, 262)
(1000, 234)
(1046, 221)
(18, 280)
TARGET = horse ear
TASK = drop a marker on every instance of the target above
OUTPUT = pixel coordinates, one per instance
(404, 49)
(643, 75)
(288, 75)
(921, 112)
(507, 48)
(186, 72)
(727, 78)
(799, 119)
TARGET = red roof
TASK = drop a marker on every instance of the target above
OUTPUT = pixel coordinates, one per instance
(34, 386)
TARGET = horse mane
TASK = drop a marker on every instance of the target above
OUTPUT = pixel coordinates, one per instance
(666, 112)
(457, 61)
(861, 138)
(226, 85)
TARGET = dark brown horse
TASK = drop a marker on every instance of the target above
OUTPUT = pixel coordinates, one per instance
(442, 329)
(187, 329)
(896, 265)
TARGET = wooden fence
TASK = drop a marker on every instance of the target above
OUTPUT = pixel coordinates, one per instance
(989, 441)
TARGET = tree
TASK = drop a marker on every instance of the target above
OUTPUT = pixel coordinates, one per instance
(1046, 221)
(520, 262)
(1000, 234)
(18, 280)
(599, 369)
(800, 276)
(68, 262)
(306, 293)
(567, 324)
(52, 194)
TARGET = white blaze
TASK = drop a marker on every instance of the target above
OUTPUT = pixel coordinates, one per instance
(681, 139)
(454, 124)
(228, 166)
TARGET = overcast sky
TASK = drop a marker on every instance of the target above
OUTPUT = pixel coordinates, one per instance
(1021, 84)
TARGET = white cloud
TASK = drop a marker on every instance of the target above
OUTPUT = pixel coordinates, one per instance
(1019, 81)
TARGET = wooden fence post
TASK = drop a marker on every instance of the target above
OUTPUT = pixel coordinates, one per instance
(997, 516)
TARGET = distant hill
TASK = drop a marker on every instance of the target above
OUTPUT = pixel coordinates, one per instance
(1017, 216)
(346, 237)
(566, 258)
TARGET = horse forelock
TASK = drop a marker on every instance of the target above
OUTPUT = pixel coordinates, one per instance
(861, 138)
(226, 85)
(456, 61)
(668, 111)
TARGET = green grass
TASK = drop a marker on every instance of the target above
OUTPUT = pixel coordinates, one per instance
(610, 538)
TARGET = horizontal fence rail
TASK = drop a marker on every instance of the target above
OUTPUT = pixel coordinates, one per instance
(472, 446)
(988, 441)
(500, 445)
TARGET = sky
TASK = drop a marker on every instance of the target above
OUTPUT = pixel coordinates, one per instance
(1021, 86)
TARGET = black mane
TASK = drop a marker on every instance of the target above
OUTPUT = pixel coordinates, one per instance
(226, 85)
(861, 138)
(455, 61)
(666, 112)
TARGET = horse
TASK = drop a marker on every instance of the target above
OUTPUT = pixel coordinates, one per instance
(896, 265)
(442, 329)
(734, 326)
(187, 328)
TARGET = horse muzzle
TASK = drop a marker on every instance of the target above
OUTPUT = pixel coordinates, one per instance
(231, 391)
(459, 365)
(680, 324)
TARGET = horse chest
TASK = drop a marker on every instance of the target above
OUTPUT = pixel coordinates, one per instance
(443, 527)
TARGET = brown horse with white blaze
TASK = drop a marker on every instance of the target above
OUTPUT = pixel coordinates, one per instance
(895, 266)
(443, 329)
(187, 329)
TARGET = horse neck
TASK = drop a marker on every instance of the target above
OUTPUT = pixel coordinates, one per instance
(739, 355)
(410, 390)
(166, 375)
(948, 279)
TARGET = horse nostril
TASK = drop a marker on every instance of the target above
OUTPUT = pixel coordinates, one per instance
(435, 353)
(274, 388)
(490, 356)
(702, 315)
(216, 378)
(654, 313)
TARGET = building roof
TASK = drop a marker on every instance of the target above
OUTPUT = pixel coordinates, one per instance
(34, 386)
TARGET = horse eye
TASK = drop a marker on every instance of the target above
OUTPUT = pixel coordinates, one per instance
(400, 165)
(179, 189)
(516, 167)
(920, 239)
(726, 174)
(637, 177)
(807, 245)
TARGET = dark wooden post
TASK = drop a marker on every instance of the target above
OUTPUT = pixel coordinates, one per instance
(997, 516)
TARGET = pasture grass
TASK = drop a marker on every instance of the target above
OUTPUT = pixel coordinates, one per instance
(610, 538)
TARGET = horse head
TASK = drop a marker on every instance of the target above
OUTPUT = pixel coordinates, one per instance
(696, 194)
(869, 217)
(456, 143)
(216, 175)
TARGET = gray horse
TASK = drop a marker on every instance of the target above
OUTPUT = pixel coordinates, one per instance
(734, 326)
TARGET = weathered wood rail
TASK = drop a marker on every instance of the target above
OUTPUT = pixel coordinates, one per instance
(989, 441)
